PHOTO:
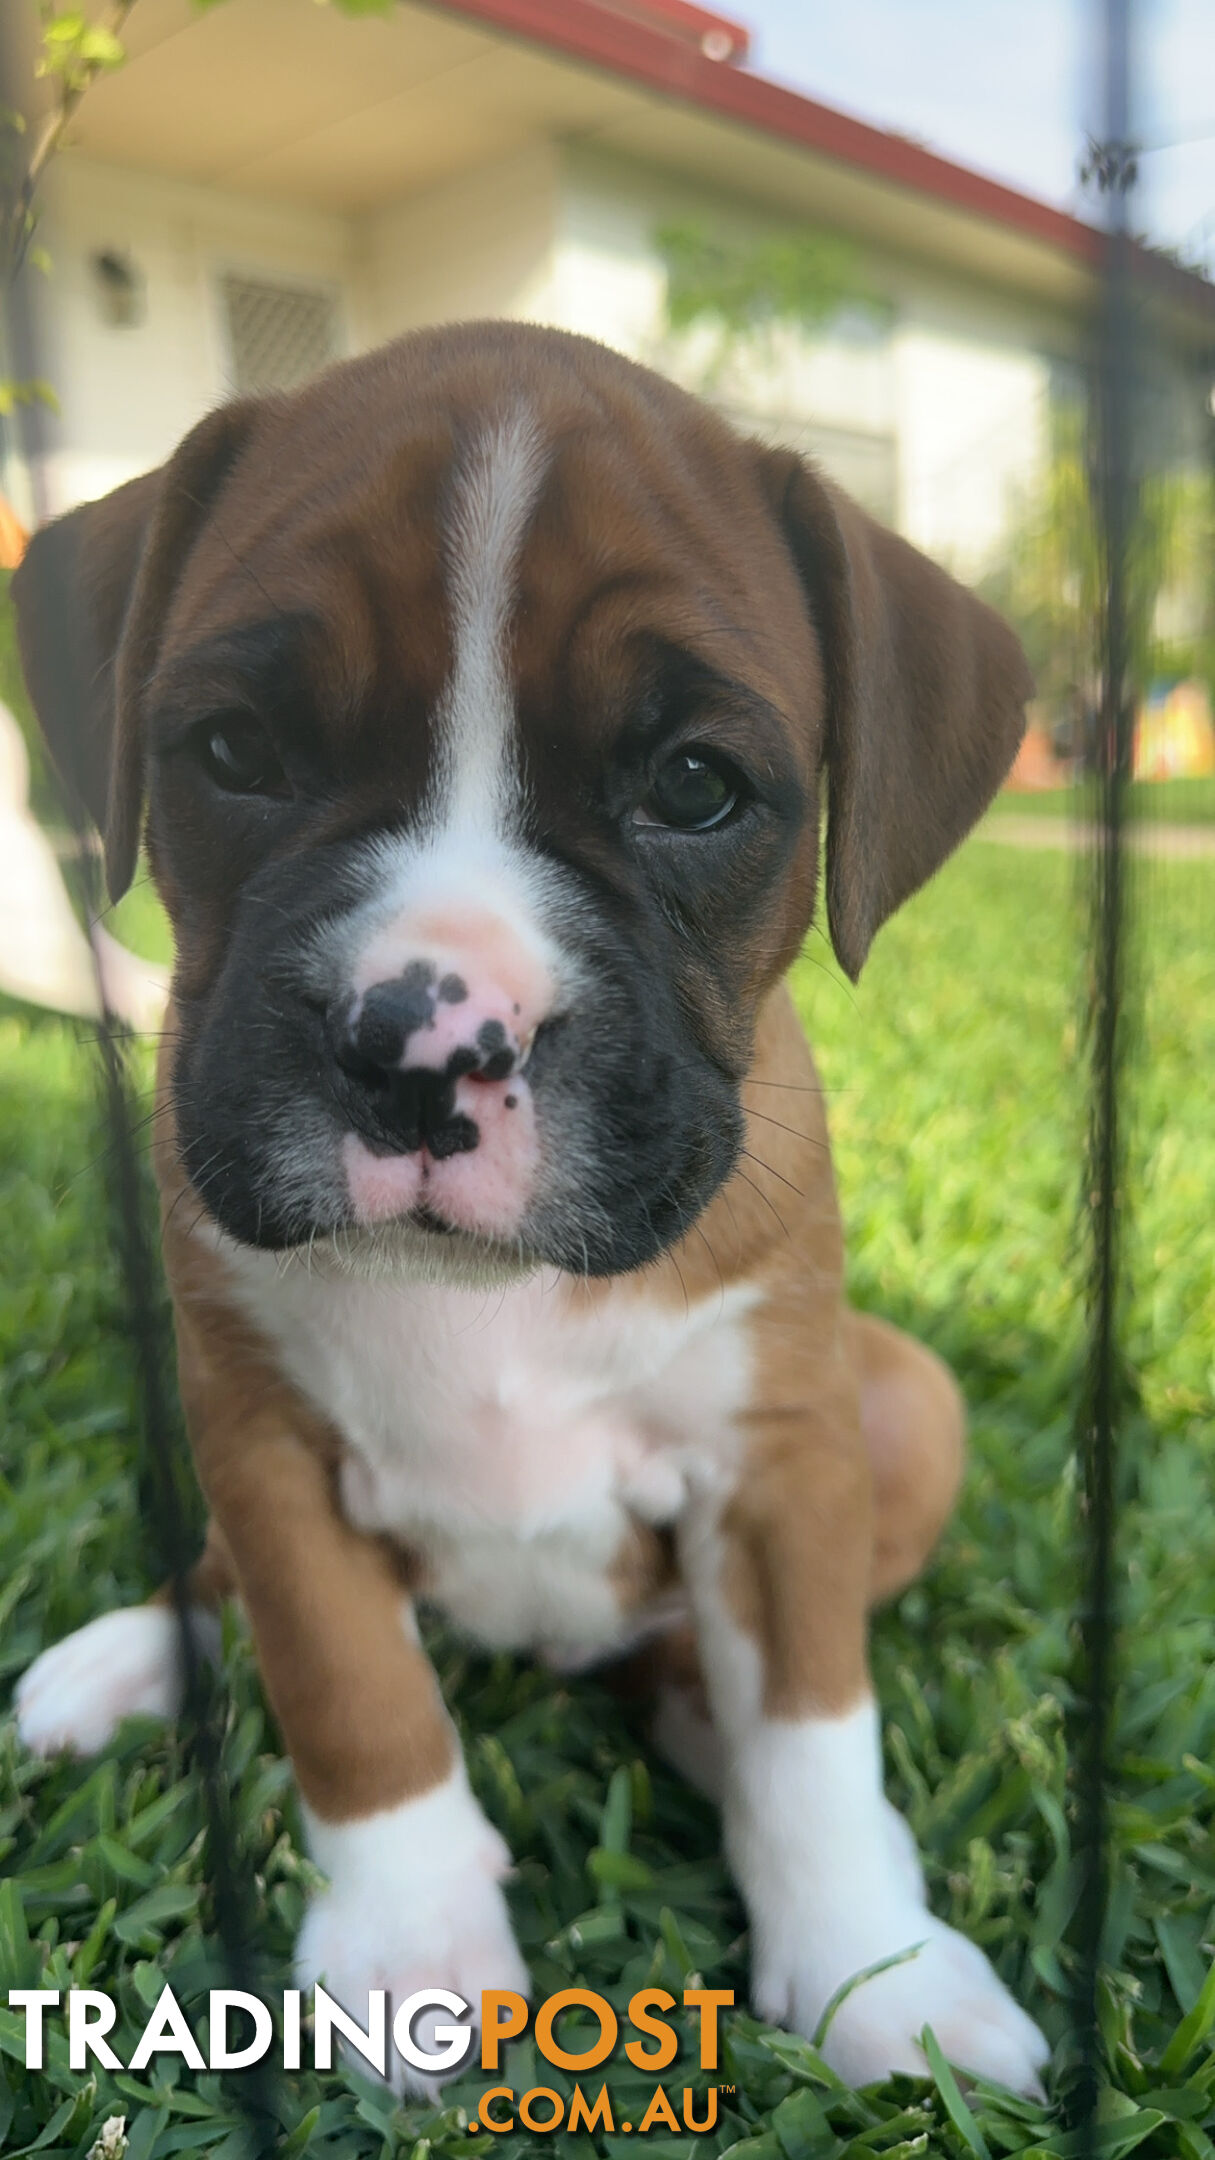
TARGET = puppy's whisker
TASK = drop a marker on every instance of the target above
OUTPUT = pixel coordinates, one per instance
(808, 1139)
(762, 1165)
(721, 1280)
(761, 1195)
(192, 1189)
(794, 1087)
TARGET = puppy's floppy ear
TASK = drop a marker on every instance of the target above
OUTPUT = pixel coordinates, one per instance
(90, 599)
(926, 688)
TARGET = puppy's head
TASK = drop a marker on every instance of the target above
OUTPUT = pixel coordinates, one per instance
(480, 698)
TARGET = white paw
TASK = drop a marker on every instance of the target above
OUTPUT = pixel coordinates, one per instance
(904, 1854)
(948, 1985)
(414, 1902)
(833, 1885)
(684, 1737)
(124, 1664)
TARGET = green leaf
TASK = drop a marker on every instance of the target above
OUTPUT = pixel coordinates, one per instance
(101, 49)
(69, 2121)
(33, 392)
(144, 2132)
(1192, 2030)
(802, 2127)
(123, 1862)
(603, 1924)
(617, 1819)
(148, 1915)
(297, 2140)
(1109, 2141)
(899, 1957)
(18, 1958)
(65, 29)
(796, 278)
(618, 1870)
(955, 2106)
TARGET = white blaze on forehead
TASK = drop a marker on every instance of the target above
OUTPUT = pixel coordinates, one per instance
(456, 885)
(495, 494)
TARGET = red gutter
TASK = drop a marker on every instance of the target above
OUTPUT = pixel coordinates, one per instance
(581, 30)
(716, 36)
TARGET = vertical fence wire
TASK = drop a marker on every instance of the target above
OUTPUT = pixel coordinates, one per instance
(1114, 491)
(1102, 1395)
(164, 1457)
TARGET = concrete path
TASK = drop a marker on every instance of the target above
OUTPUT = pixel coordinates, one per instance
(1181, 843)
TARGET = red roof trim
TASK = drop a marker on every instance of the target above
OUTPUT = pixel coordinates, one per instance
(692, 25)
(584, 31)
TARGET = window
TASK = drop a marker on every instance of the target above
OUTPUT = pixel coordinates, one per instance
(278, 335)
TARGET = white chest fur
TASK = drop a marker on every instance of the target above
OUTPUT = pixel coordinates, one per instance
(512, 1437)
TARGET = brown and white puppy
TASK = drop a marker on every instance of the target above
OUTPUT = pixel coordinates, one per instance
(482, 697)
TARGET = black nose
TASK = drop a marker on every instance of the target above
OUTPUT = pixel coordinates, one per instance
(373, 1033)
(396, 1106)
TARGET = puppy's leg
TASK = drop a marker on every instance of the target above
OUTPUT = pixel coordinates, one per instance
(123, 1664)
(779, 1575)
(415, 1869)
(914, 1426)
(913, 1423)
(682, 1731)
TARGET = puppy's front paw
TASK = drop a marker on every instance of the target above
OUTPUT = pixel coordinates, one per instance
(124, 1664)
(948, 1985)
(414, 1902)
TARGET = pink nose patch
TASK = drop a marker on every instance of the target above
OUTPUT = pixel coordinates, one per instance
(484, 1190)
(477, 960)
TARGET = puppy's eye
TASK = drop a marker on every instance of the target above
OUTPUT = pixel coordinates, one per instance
(238, 755)
(691, 792)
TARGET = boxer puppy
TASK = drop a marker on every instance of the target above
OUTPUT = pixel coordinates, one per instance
(479, 702)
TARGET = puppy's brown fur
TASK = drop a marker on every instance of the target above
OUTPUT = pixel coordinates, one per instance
(861, 669)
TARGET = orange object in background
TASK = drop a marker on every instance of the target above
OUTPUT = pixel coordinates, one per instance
(1174, 740)
(1036, 765)
(13, 536)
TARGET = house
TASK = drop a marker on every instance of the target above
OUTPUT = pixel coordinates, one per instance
(268, 184)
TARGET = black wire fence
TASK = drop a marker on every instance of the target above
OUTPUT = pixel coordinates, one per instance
(1103, 1395)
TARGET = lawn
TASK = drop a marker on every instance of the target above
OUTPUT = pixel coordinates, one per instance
(956, 1104)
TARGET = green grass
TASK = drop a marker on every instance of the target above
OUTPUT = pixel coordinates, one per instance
(1177, 802)
(140, 921)
(955, 1100)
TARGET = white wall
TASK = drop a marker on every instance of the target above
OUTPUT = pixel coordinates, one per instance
(608, 270)
(478, 245)
(954, 389)
(128, 394)
(973, 429)
(936, 415)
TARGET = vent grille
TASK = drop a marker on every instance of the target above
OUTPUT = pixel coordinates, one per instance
(278, 335)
